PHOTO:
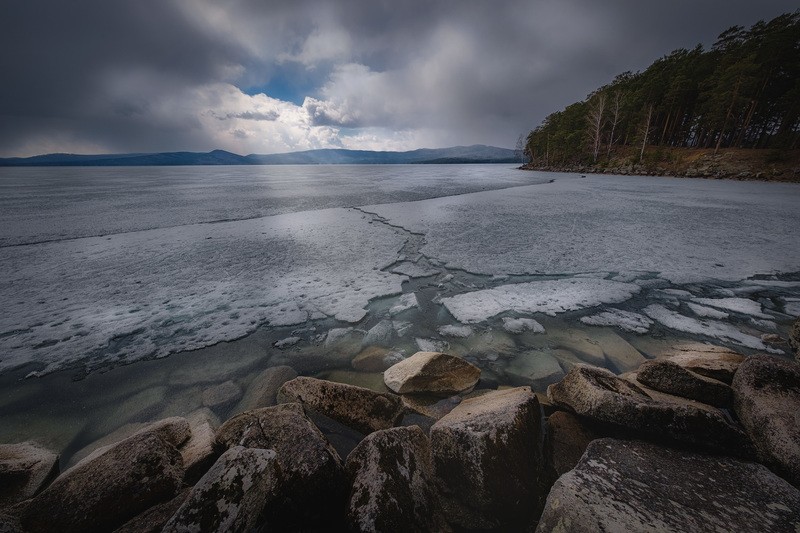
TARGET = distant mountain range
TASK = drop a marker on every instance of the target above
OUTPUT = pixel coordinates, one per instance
(459, 154)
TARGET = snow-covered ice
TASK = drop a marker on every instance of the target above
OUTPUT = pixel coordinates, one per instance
(548, 296)
(627, 320)
(521, 325)
(707, 312)
(404, 303)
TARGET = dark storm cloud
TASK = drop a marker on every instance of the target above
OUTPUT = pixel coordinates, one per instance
(142, 75)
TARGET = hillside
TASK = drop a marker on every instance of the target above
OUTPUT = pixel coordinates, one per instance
(457, 154)
(742, 94)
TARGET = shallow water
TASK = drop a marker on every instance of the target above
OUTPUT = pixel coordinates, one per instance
(311, 289)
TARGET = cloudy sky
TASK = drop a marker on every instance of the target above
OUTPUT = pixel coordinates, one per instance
(265, 76)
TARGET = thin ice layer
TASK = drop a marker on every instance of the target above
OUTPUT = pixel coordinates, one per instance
(123, 297)
(549, 297)
(627, 320)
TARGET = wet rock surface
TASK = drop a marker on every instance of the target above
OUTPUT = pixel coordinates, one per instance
(602, 397)
(432, 373)
(232, 495)
(486, 457)
(357, 407)
(707, 360)
(392, 483)
(767, 400)
(311, 468)
(637, 486)
(105, 492)
(25, 469)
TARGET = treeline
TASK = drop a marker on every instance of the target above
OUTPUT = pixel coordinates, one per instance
(744, 92)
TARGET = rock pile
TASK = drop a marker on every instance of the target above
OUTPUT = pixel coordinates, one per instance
(659, 448)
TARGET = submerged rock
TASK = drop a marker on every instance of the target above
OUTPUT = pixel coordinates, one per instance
(221, 396)
(599, 395)
(636, 486)
(433, 373)
(25, 469)
(708, 360)
(107, 491)
(232, 495)
(357, 407)
(667, 376)
(375, 359)
(537, 369)
(766, 393)
(392, 479)
(263, 390)
(486, 455)
(618, 351)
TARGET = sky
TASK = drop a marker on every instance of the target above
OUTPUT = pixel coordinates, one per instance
(268, 76)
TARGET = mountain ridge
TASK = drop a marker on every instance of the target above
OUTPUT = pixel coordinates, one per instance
(477, 153)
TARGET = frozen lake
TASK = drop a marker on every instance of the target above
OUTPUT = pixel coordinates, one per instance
(307, 265)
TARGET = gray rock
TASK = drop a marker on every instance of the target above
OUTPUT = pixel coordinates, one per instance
(667, 376)
(432, 373)
(263, 389)
(486, 455)
(25, 469)
(565, 441)
(600, 396)
(109, 490)
(708, 360)
(535, 368)
(232, 495)
(221, 396)
(153, 519)
(357, 407)
(766, 392)
(312, 470)
(391, 475)
(636, 486)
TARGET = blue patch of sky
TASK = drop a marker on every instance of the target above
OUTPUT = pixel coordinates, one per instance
(290, 82)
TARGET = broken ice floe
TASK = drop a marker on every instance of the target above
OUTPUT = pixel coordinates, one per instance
(626, 320)
(521, 325)
(549, 297)
(737, 305)
(707, 312)
(405, 302)
(709, 328)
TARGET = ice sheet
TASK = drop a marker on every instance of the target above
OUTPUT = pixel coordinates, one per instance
(686, 230)
(128, 296)
(548, 296)
(737, 305)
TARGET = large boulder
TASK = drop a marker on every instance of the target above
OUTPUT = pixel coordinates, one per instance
(486, 455)
(25, 469)
(263, 390)
(432, 373)
(766, 392)
(637, 486)
(667, 376)
(708, 360)
(107, 491)
(357, 407)
(311, 468)
(153, 519)
(232, 495)
(600, 396)
(392, 479)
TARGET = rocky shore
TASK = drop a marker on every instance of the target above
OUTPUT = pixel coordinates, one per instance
(700, 439)
(727, 163)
